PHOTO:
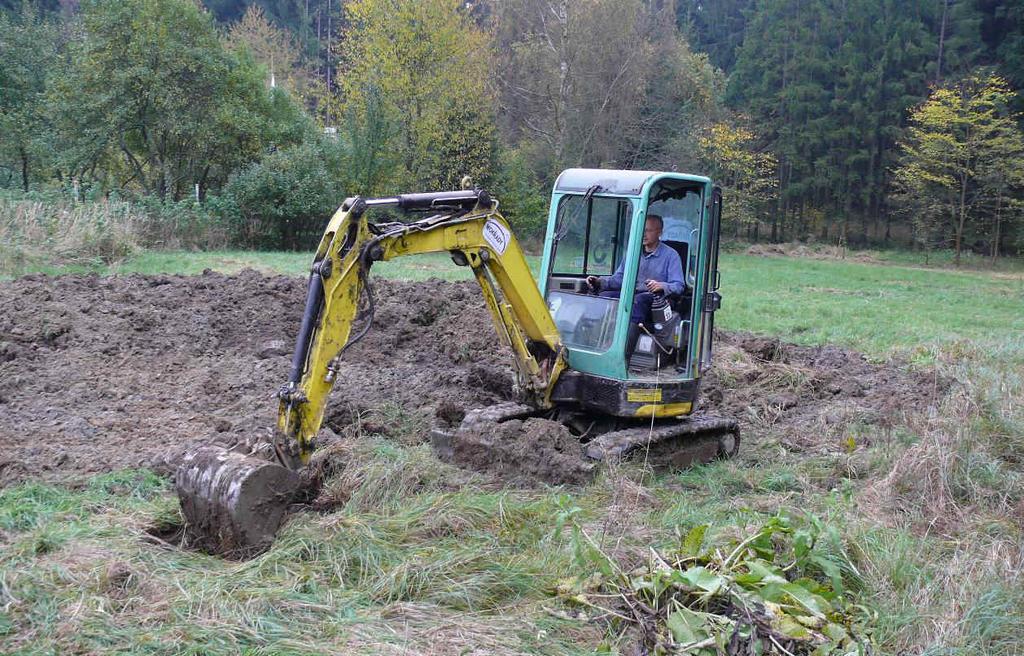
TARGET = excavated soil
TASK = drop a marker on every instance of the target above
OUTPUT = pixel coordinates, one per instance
(102, 373)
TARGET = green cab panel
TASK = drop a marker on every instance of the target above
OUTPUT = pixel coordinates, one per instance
(595, 226)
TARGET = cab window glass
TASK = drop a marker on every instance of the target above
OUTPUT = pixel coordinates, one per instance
(681, 217)
(592, 235)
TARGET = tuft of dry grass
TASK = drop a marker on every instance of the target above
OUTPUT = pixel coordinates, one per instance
(34, 233)
(940, 534)
(53, 235)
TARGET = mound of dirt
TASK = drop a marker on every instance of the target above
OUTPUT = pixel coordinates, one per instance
(102, 373)
(812, 251)
(811, 395)
(524, 451)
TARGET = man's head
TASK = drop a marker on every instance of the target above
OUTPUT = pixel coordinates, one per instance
(652, 231)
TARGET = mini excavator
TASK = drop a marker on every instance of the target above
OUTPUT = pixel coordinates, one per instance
(621, 387)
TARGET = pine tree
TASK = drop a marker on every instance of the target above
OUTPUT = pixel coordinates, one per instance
(830, 81)
(715, 28)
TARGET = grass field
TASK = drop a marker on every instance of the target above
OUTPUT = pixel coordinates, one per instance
(407, 565)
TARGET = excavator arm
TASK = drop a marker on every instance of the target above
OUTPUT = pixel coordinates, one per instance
(465, 224)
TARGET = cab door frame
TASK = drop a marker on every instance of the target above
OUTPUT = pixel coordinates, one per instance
(712, 299)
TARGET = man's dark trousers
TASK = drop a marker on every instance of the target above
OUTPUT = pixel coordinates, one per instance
(641, 304)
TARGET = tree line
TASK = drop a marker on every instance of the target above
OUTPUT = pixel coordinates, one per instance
(844, 121)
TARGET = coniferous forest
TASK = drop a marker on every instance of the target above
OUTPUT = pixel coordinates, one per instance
(853, 122)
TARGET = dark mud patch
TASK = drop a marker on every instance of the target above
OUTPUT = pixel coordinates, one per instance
(523, 452)
(102, 373)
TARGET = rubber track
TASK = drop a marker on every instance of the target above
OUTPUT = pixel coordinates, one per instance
(619, 443)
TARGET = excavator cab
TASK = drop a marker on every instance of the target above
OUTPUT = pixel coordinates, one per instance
(595, 228)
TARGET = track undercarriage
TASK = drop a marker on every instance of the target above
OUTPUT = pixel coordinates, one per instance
(662, 444)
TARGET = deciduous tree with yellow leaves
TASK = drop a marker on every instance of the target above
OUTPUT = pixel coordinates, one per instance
(962, 160)
(420, 66)
(730, 156)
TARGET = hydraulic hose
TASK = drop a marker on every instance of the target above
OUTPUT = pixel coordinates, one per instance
(314, 301)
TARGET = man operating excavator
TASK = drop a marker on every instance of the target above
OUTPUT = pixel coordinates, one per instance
(660, 272)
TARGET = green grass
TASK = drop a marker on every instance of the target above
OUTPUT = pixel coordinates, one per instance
(421, 558)
(874, 308)
(947, 258)
(383, 573)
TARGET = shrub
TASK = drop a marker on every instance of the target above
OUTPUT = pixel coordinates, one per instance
(524, 201)
(284, 200)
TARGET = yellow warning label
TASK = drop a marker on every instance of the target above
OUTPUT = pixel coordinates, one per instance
(643, 395)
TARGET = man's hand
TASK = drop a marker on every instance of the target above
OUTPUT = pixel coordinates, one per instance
(594, 282)
(654, 286)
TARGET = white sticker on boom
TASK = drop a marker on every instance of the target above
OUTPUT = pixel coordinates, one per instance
(497, 236)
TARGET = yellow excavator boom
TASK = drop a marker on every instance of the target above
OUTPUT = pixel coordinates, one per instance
(478, 237)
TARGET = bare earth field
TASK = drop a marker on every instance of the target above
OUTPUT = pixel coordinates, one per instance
(104, 373)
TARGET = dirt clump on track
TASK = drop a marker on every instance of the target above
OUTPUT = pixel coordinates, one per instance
(523, 451)
(103, 373)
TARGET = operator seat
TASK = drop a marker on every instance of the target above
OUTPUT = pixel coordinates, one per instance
(681, 303)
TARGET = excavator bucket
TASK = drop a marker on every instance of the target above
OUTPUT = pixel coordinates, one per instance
(233, 503)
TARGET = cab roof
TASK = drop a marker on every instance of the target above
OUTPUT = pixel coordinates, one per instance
(613, 181)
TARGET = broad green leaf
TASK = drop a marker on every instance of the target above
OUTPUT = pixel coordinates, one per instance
(773, 592)
(811, 622)
(811, 602)
(760, 572)
(831, 570)
(686, 625)
(789, 627)
(835, 632)
(694, 540)
(803, 541)
(701, 577)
